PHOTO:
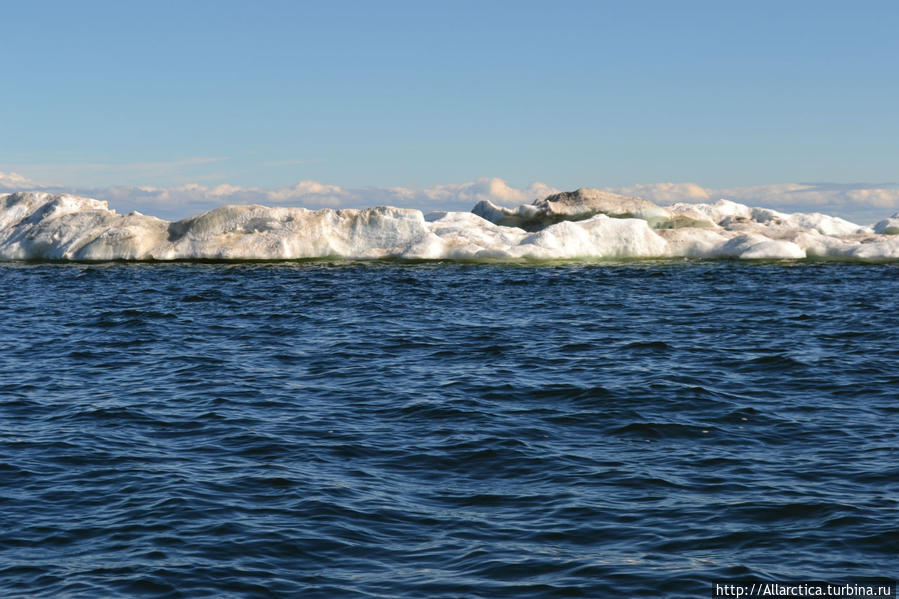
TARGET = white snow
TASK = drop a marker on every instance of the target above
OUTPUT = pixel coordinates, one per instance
(581, 224)
(888, 226)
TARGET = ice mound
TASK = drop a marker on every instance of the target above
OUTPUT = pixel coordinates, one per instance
(888, 226)
(257, 232)
(65, 227)
(580, 224)
(62, 227)
(576, 205)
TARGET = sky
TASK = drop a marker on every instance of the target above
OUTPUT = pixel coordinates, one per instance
(257, 98)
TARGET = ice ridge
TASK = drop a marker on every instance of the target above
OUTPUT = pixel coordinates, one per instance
(585, 223)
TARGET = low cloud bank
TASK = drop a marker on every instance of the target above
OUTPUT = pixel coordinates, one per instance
(859, 202)
(862, 203)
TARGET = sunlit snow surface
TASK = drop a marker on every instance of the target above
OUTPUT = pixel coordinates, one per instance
(582, 224)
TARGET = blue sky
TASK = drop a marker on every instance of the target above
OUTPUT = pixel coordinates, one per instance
(417, 94)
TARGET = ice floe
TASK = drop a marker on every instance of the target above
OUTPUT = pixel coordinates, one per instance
(585, 223)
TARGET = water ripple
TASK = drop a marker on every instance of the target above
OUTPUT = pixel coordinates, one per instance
(337, 429)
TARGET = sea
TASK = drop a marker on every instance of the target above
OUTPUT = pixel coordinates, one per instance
(362, 429)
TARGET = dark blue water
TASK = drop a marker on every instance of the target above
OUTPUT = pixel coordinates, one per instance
(445, 430)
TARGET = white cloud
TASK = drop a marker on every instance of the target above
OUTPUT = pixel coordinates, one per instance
(185, 200)
(881, 198)
(184, 169)
(667, 193)
(861, 203)
(17, 182)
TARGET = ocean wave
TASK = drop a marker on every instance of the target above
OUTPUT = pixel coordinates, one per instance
(581, 224)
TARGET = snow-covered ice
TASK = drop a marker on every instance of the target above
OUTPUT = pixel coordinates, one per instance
(584, 223)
